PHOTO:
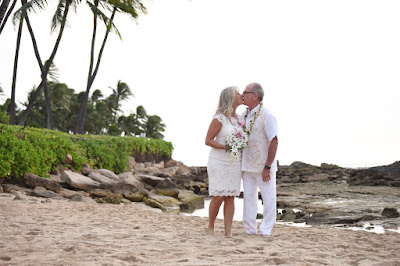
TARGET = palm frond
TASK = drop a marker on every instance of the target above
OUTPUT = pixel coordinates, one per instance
(62, 7)
(130, 7)
(113, 27)
(33, 5)
(53, 72)
(58, 15)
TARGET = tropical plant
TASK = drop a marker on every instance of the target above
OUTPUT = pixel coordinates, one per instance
(96, 95)
(122, 92)
(130, 125)
(3, 15)
(59, 20)
(141, 112)
(153, 127)
(130, 7)
(4, 117)
(40, 151)
(14, 78)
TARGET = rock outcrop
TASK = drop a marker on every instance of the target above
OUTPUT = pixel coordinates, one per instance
(38, 181)
(329, 194)
(325, 194)
(152, 184)
(388, 175)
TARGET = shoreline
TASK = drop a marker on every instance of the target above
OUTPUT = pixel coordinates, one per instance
(59, 232)
(367, 226)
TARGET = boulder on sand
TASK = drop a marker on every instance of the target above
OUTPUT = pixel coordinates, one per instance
(79, 181)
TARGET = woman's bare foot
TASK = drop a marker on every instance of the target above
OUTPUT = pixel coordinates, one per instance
(210, 231)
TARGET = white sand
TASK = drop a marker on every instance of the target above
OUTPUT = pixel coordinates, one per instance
(74, 233)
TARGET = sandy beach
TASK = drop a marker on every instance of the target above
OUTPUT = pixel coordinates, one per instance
(62, 232)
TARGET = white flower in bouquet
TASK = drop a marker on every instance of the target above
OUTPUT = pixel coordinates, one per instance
(236, 142)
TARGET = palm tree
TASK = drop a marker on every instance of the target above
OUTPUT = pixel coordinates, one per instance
(14, 80)
(62, 101)
(96, 95)
(3, 15)
(59, 20)
(129, 125)
(1, 90)
(153, 127)
(141, 112)
(122, 92)
(129, 7)
(3, 8)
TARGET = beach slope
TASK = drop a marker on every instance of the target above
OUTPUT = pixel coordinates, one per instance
(61, 232)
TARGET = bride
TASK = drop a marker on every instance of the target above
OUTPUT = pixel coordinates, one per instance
(223, 169)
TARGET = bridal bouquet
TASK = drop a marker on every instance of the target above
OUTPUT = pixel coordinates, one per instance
(236, 142)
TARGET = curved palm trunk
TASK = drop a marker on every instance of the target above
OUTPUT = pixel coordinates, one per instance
(80, 119)
(14, 82)
(4, 14)
(47, 94)
(79, 127)
(3, 19)
(45, 72)
(3, 9)
(30, 104)
(49, 113)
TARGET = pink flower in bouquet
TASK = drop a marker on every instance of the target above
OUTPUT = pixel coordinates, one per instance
(239, 134)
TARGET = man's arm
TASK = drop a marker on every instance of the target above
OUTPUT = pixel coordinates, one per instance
(273, 147)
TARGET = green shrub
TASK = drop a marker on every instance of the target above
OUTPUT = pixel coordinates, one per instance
(40, 151)
(4, 118)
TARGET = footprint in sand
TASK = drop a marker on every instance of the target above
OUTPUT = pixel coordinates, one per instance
(70, 249)
(184, 260)
(5, 258)
(131, 258)
(238, 241)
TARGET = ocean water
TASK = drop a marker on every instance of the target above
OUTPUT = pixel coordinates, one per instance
(238, 215)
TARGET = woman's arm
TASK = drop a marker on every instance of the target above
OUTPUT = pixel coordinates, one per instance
(213, 130)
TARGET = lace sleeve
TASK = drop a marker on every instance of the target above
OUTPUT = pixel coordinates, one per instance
(220, 118)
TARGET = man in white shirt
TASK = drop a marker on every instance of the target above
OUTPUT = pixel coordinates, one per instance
(258, 161)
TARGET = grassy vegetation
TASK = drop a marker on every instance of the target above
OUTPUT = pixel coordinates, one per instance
(40, 151)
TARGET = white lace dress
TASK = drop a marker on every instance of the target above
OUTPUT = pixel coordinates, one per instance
(224, 175)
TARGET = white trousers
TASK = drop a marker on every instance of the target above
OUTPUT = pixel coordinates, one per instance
(250, 195)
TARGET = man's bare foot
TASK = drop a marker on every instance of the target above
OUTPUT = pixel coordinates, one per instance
(228, 235)
(210, 231)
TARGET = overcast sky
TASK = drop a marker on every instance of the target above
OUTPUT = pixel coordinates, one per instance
(330, 70)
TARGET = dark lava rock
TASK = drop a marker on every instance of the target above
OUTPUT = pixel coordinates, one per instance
(388, 175)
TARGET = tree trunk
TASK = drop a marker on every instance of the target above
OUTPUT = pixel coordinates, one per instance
(14, 82)
(34, 43)
(49, 112)
(45, 72)
(3, 9)
(47, 68)
(30, 104)
(91, 77)
(3, 20)
(80, 119)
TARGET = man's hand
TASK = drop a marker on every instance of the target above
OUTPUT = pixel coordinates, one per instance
(266, 175)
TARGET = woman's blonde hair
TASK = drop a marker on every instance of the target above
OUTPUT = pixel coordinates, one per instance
(226, 101)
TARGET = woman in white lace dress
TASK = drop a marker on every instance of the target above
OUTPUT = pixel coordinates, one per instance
(224, 172)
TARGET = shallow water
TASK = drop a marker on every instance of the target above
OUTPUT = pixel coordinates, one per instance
(238, 215)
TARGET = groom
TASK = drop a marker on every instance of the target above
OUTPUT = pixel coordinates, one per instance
(258, 161)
